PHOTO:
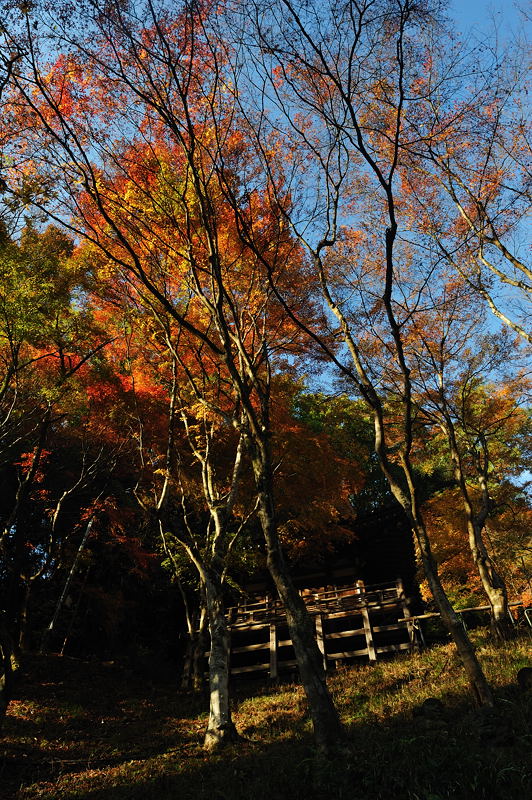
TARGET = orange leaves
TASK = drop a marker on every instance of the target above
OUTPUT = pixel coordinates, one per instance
(35, 459)
(68, 86)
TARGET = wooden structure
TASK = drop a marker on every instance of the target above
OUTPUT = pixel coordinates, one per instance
(352, 622)
(416, 630)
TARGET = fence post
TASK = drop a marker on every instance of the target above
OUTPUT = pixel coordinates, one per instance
(273, 650)
(410, 624)
(372, 655)
(321, 639)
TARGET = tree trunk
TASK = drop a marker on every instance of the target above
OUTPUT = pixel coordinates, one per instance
(329, 733)
(6, 669)
(16, 609)
(408, 501)
(66, 588)
(192, 676)
(492, 583)
(22, 624)
(220, 729)
(197, 677)
(451, 621)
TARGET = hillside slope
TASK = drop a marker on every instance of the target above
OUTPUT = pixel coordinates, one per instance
(94, 731)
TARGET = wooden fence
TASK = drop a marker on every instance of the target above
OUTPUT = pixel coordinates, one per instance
(351, 622)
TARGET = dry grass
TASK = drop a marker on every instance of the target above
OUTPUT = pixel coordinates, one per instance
(79, 730)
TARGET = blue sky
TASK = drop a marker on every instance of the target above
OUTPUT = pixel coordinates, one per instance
(479, 13)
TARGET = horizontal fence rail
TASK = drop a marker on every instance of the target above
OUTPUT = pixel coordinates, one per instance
(350, 622)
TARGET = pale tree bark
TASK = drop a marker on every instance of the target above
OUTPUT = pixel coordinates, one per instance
(220, 729)
(207, 550)
(492, 582)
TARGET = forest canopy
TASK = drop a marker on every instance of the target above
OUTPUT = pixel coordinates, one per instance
(262, 271)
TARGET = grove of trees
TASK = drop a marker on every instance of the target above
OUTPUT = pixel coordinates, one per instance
(261, 264)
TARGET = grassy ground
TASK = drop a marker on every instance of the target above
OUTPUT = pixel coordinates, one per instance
(79, 730)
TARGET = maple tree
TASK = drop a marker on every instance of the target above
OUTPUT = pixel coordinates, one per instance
(355, 77)
(44, 348)
(480, 421)
(195, 491)
(191, 476)
(476, 161)
(238, 316)
(191, 116)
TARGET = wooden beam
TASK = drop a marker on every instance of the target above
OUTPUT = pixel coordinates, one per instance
(248, 648)
(321, 640)
(262, 667)
(372, 655)
(273, 651)
(343, 634)
(348, 653)
(251, 668)
(392, 648)
(397, 626)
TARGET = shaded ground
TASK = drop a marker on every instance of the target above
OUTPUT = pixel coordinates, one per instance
(95, 731)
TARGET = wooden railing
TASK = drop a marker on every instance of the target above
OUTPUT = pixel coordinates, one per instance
(317, 601)
(416, 631)
(346, 621)
(349, 622)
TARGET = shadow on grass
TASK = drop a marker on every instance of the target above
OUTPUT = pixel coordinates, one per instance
(69, 716)
(87, 732)
(458, 755)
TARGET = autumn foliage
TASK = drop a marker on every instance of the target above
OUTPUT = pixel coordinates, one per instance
(261, 270)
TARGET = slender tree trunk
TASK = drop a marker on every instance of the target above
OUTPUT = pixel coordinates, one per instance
(220, 729)
(197, 643)
(492, 583)
(197, 677)
(66, 588)
(329, 733)
(408, 500)
(451, 620)
(22, 617)
(74, 613)
(17, 596)
(6, 669)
